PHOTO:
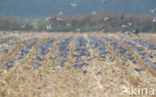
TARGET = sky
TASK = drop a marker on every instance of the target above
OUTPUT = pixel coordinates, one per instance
(41, 8)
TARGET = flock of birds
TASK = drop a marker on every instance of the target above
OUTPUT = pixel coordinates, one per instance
(135, 30)
(83, 46)
(123, 26)
(78, 52)
(74, 4)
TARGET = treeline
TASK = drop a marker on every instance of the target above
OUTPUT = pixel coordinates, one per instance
(96, 22)
(13, 23)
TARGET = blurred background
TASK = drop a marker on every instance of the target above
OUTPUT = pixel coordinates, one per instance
(78, 15)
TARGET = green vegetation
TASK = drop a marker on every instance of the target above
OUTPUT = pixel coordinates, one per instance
(86, 22)
(13, 23)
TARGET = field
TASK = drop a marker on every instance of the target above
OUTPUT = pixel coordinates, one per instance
(76, 64)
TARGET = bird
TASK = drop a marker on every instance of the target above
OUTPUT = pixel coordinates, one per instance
(17, 32)
(123, 26)
(68, 25)
(93, 13)
(102, 31)
(23, 26)
(107, 18)
(154, 20)
(129, 24)
(122, 17)
(152, 11)
(78, 30)
(136, 31)
(128, 33)
(59, 19)
(60, 13)
(49, 27)
(47, 18)
(103, 1)
(73, 4)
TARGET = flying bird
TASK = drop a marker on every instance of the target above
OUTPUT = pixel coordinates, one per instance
(60, 13)
(59, 19)
(73, 4)
(47, 18)
(152, 11)
(107, 19)
(93, 13)
(49, 27)
(103, 1)
(154, 20)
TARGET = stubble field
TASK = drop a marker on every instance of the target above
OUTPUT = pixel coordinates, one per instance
(76, 64)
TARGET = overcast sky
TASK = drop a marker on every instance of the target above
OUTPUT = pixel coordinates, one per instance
(41, 8)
